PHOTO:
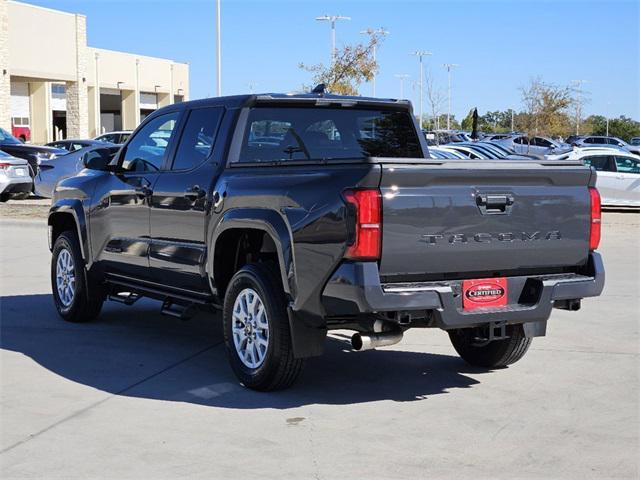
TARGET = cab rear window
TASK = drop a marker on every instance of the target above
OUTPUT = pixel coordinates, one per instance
(324, 134)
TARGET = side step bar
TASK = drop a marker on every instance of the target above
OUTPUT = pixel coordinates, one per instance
(183, 312)
(127, 298)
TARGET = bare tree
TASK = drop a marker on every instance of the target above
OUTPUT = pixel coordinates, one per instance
(546, 108)
(436, 98)
(353, 65)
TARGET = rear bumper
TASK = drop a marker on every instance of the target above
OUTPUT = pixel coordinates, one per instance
(15, 184)
(355, 288)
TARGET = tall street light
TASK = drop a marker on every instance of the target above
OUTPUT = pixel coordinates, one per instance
(578, 84)
(449, 67)
(371, 31)
(420, 54)
(402, 77)
(333, 19)
(218, 52)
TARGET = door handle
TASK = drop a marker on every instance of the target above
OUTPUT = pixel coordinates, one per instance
(494, 204)
(194, 193)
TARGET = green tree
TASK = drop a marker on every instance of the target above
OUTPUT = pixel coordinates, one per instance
(352, 65)
(467, 122)
(621, 127)
(442, 121)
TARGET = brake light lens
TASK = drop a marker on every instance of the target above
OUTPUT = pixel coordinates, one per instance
(5, 165)
(596, 219)
(368, 227)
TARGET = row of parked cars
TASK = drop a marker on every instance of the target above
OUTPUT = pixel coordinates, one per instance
(26, 169)
(617, 162)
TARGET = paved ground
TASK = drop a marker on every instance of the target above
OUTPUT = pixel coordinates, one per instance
(139, 395)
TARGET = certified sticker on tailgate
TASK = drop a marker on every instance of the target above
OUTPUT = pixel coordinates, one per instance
(484, 293)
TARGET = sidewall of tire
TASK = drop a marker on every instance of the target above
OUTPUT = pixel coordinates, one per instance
(279, 351)
(81, 309)
(496, 354)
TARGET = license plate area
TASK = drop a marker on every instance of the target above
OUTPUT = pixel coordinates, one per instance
(484, 293)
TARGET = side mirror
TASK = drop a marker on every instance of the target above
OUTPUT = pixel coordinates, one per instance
(98, 159)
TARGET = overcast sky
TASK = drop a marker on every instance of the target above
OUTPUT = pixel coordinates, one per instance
(499, 45)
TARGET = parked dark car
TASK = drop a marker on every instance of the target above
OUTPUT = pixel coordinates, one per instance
(341, 220)
(71, 145)
(115, 138)
(31, 153)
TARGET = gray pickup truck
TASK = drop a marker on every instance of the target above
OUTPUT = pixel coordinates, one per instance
(299, 214)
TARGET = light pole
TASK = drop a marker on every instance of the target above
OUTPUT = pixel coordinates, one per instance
(608, 109)
(370, 31)
(578, 103)
(333, 19)
(449, 67)
(218, 52)
(420, 54)
(402, 77)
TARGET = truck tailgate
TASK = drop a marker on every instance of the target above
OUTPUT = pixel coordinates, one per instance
(464, 217)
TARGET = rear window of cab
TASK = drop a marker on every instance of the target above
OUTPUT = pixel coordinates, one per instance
(324, 134)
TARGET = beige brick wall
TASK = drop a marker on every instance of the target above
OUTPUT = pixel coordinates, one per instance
(77, 93)
(5, 84)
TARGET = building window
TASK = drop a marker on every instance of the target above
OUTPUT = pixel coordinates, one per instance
(20, 121)
(58, 88)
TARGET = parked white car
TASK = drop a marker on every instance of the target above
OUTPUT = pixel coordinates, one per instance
(15, 181)
(618, 175)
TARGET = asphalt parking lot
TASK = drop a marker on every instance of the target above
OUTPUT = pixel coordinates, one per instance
(139, 395)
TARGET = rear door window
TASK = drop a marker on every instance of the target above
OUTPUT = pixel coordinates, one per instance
(602, 163)
(326, 134)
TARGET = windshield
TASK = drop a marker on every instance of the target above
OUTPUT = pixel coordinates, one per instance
(7, 138)
(299, 133)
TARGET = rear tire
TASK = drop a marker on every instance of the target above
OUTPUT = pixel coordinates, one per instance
(495, 354)
(76, 296)
(256, 330)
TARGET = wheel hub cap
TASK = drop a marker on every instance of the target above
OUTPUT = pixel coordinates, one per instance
(65, 277)
(250, 328)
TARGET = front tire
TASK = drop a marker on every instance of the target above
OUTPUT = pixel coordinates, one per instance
(256, 330)
(495, 354)
(76, 297)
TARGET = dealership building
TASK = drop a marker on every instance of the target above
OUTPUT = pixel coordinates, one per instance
(53, 85)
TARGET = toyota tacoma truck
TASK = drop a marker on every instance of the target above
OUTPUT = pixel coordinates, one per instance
(298, 214)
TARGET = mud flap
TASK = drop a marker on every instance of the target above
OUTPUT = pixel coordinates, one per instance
(307, 335)
(535, 329)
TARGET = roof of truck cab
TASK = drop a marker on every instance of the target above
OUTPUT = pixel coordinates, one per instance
(238, 101)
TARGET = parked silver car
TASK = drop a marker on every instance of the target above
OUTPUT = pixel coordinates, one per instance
(15, 181)
(600, 141)
(52, 171)
(525, 145)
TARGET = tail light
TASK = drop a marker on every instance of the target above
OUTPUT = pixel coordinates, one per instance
(366, 210)
(5, 165)
(596, 218)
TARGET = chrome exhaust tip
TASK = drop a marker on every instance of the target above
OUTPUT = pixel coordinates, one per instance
(361, 342)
